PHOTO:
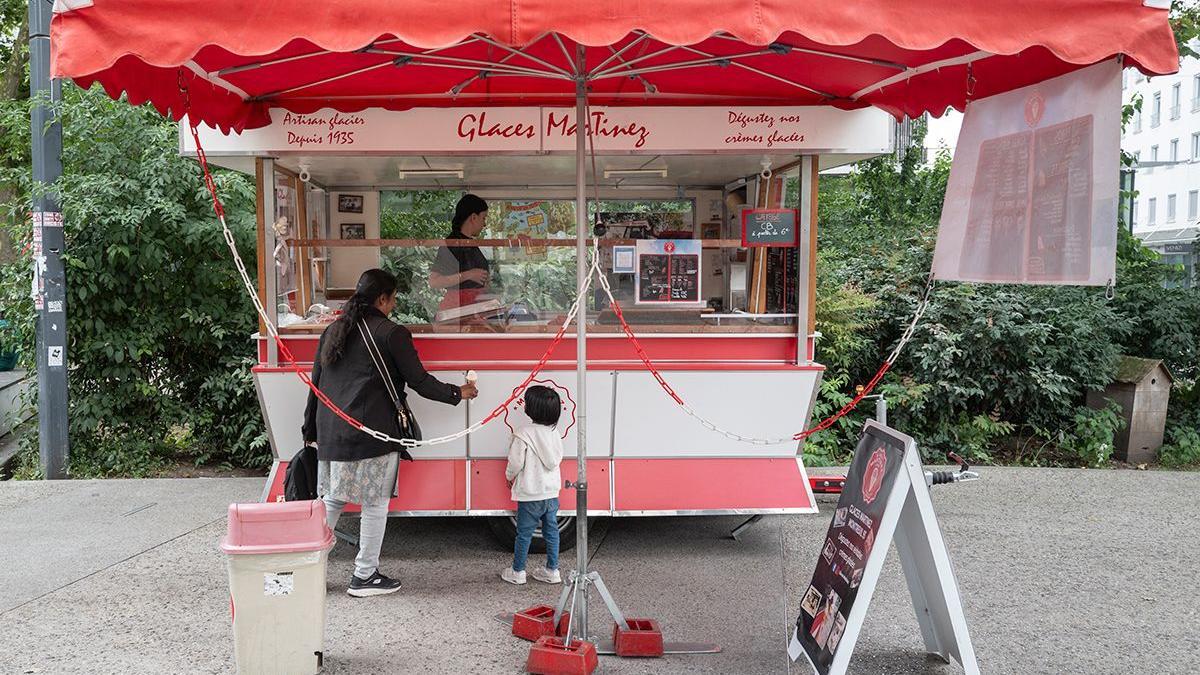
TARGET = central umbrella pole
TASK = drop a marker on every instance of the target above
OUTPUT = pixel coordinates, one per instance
(582, 269)
(632, 637)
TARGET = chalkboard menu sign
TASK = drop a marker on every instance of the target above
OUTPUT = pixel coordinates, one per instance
(849, 543)
(668, 271)
(769, 227)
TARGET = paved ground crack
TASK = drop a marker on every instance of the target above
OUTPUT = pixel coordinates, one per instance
(603, 537)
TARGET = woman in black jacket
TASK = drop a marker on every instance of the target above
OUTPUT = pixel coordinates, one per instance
(352, 466)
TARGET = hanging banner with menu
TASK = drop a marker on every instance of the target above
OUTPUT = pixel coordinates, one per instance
(668, 272)
(1032, 196)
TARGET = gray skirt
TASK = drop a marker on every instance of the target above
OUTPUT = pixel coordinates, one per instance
(364, 482)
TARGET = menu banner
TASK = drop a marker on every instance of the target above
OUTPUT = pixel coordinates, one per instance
(1032, 195)
(849, 543)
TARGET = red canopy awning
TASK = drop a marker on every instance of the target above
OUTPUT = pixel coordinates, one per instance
(237, 59)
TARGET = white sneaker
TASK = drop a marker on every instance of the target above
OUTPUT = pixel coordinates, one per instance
(547, 576)
(513, 577)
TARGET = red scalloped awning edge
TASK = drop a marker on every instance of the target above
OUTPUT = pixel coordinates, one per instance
(138, 46)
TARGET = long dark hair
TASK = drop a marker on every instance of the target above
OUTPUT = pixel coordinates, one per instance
(371, 286)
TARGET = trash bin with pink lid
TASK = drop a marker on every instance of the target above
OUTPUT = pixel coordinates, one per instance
(277, 555)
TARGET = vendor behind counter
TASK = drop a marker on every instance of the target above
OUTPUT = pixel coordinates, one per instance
(463, 271)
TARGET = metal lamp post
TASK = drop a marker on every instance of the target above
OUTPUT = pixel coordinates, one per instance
(49, 280)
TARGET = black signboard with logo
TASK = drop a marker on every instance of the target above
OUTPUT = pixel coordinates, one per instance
(848, 545)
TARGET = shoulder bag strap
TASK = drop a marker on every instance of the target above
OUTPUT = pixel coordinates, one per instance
(377, 358)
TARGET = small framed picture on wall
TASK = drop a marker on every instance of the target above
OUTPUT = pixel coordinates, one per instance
(354, 231)
(350, 203)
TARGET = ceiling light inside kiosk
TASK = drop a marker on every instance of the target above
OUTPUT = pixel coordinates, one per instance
(610, 173)
(431, 173)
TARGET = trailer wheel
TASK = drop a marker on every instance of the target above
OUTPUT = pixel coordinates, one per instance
(504, 528)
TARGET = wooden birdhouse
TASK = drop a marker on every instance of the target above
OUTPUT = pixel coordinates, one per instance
(1142, 387)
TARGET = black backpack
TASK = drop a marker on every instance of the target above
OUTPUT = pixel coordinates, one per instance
(300, 479)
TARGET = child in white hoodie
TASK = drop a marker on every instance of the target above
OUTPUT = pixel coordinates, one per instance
(533, 472)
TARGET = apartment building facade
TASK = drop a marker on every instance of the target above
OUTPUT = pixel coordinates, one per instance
(1164, 138)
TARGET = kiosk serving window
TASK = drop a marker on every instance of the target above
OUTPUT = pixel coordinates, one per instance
(530, 279)
(529, 246)
(526, 257)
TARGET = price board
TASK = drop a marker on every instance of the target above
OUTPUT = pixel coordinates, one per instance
(769, 227)
(668, 272)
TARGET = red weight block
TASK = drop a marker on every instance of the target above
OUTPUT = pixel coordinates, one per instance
(534, 622)
(639, 637)
(549, 656)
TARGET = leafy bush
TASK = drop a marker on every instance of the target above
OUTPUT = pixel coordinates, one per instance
(1182, 436)
(1182, 447)
(1089, 441)
(158, 323)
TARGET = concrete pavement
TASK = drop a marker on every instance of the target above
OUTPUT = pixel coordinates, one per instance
(1061, 571)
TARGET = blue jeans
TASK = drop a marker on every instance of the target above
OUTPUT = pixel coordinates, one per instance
(529, 516)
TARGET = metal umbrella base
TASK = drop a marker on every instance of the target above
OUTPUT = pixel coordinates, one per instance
(573, 596)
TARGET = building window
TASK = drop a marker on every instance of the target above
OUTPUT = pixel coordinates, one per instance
(1156, 109)
(1196, 146)
(1151, 205)
(1175, 100)
(1193, 203)
(1133, 215)
(1170, 208)
(1195, 93)
(1174, 150)
(1137, 121)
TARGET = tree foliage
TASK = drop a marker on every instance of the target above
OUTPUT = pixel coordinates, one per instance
(159, 328)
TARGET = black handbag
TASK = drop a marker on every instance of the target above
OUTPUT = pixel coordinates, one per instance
(406, 420)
